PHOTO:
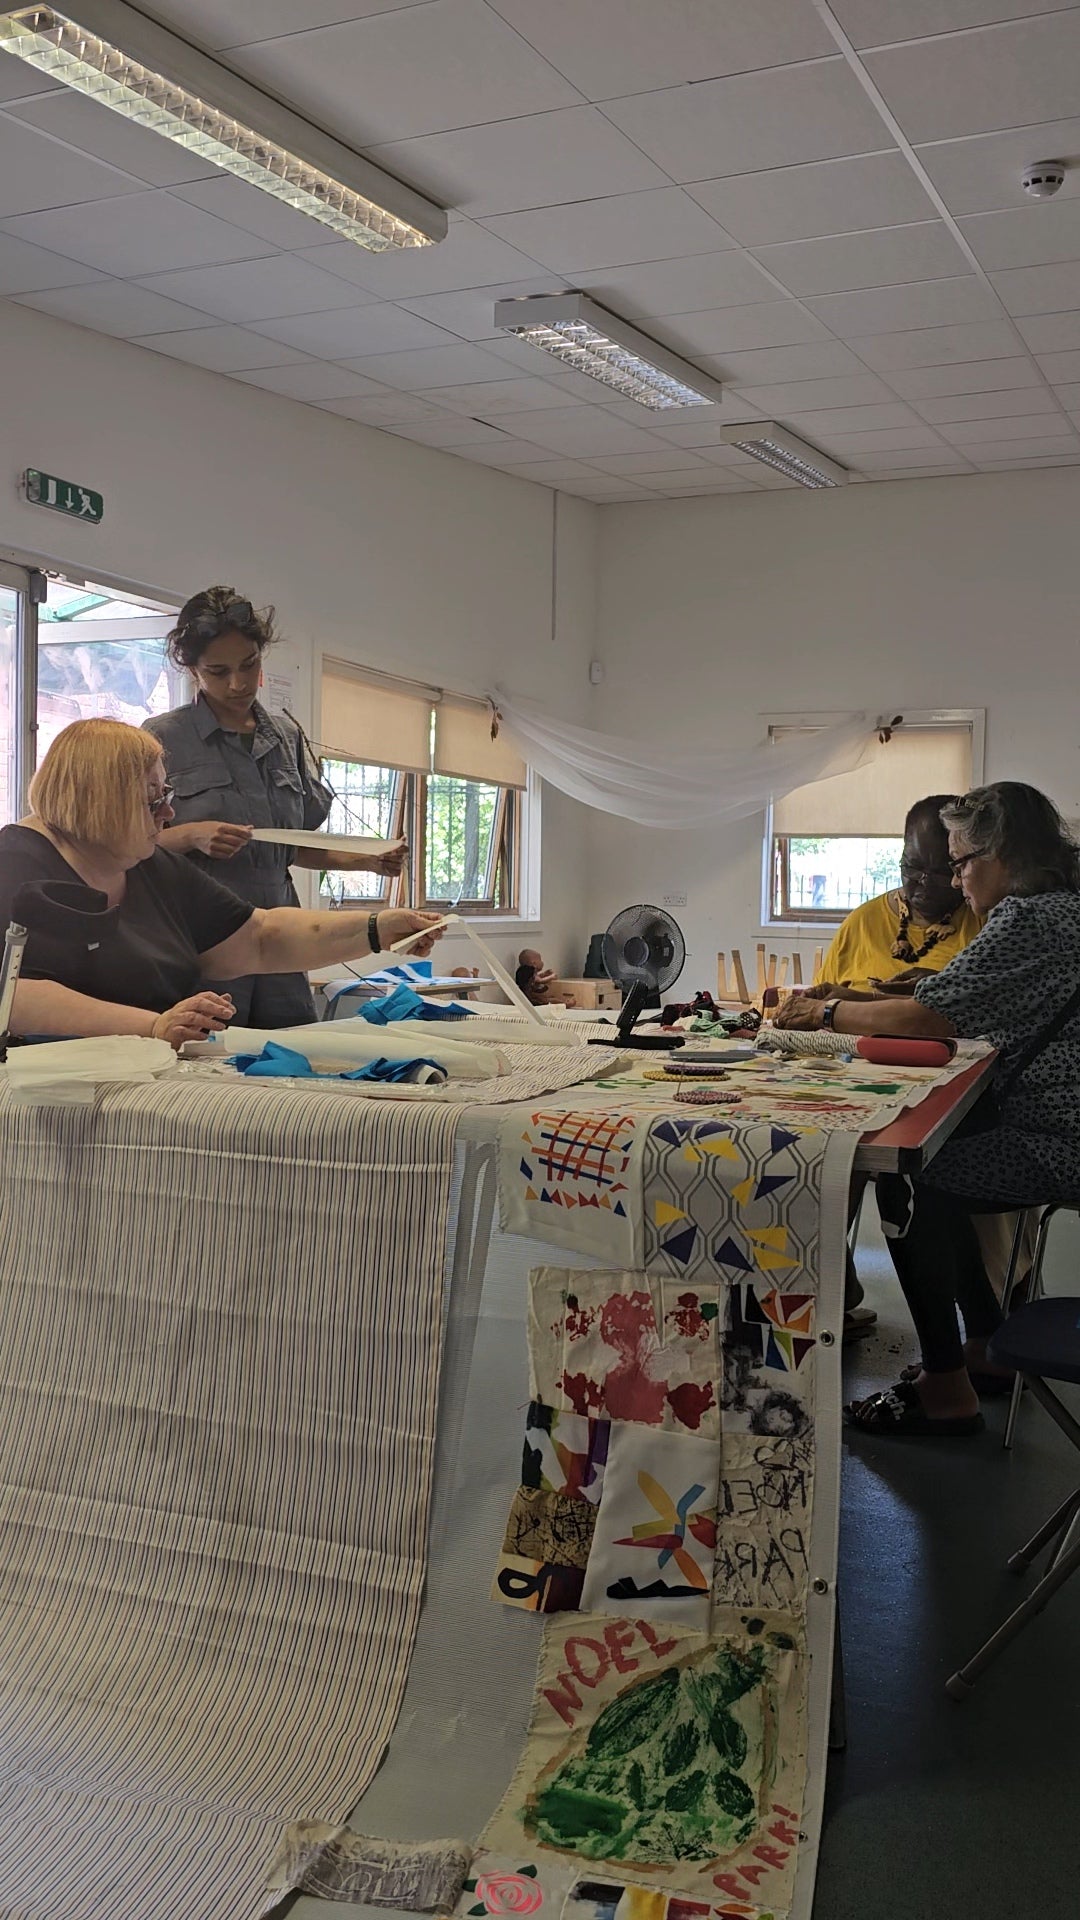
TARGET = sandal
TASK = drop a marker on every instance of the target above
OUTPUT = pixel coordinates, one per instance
(898, 1413)
(858, 1322)
(988, 1386)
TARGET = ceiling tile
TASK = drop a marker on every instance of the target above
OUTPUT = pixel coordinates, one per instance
(620, 230)
(1031, 236)
(658, 460)
(779, 118)
(887, 257)
(850, 419)
(37, 173)
(96, 129)
(233, 23)
(936, 346)
(830, 196)
(256, 212)
(258, 289)
(1051, 332)
(980, 376)
(1055, 447)
(848, 446)
(313, 380)
(27, 269)
(1032, 426)
(1069, 397)
(18, 80)
(808, 396)
(923, 303)
(875, 23)
(603, 488)
(415, 70)
(506, 451)
(112, 306)
(895, 460)
(220, 349)
(451, 365)
(1040, 289)
(821, 360)
(384, 410)
(986, 406)
(470, 256)
(705, 280)
(1020, 466)
(487, 398)
(612, 47)
(471, 314)
(448, 430)
(555, 473)
(1060, 367)
(583, 431)
(919, 472)
(351, 332)
(1004, 76)
(983, 174)
(140, 233)
(536, 161)
(775, 323)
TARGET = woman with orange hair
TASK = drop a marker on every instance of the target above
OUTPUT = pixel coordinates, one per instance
(125, 932)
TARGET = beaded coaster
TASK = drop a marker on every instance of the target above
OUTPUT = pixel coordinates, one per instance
(695, 1070)
(707, 1097)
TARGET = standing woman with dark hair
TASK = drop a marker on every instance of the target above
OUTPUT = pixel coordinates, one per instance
(232, 767)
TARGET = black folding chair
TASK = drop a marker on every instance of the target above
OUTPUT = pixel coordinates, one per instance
(1042, 1342)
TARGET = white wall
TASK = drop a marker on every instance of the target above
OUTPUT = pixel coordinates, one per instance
(959, 592)
(372, 549)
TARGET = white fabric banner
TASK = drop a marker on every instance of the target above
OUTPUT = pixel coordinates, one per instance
(666, 787)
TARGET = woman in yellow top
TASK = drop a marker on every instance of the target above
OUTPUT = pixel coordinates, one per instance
(920, 926)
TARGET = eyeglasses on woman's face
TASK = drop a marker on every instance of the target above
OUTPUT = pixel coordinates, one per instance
(959, 866)
(160, 801)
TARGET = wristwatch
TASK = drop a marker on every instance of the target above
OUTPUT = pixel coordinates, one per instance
(373, 933)
(828, 1015)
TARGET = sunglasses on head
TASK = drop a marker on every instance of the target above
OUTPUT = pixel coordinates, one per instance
(235, 613)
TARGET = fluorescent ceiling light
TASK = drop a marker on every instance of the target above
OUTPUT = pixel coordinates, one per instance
(593, 341)
(116, 56)
(787, 453)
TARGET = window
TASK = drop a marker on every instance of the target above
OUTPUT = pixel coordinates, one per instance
(101, 656)
(403, 760)
(834, 844)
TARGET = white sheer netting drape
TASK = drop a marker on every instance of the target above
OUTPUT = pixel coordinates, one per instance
(666, 787)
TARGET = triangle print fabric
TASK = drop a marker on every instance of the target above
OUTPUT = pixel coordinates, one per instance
(574, 1179)
(627, 1347)
(731, 1201)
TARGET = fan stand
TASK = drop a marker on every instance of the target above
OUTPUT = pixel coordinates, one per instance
(634, 1003)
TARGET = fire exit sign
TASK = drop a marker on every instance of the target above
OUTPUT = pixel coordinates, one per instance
(64, 496)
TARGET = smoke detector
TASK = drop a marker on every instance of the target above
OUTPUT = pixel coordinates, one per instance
(1043, 179)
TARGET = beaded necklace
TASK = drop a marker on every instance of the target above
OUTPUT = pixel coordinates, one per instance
(902, 945)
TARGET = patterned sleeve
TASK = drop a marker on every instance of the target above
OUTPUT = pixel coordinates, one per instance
(999, 983)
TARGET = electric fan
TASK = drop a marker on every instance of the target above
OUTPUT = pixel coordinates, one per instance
(644, 952)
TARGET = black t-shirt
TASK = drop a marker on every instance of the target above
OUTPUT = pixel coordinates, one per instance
(143, 953)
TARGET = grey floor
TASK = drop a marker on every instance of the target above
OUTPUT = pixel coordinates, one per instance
(934, 1809)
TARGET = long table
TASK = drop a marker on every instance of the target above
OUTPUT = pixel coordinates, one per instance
(469, 1693)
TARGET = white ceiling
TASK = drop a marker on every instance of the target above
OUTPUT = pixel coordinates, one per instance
(820, 204)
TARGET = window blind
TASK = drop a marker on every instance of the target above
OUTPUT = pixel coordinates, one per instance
(376, 721)
(464, 746)
(875, 797)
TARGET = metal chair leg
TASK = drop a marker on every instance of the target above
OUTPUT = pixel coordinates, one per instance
(1056, 1529)
(960, 1684)
(1035, 1289)
(838, 1697)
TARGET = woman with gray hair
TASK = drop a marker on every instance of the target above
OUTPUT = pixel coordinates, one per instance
(1017, 985)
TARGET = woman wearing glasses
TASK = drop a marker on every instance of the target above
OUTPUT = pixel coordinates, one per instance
(127, 937)
(232, 767)
(1017, 986)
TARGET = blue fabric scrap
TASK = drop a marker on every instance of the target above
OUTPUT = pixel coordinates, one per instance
(282, 1063)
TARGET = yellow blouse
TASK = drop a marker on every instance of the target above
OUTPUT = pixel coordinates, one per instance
(862, 947)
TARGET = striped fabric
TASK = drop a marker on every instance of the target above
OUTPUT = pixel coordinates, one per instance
(220, 1327)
